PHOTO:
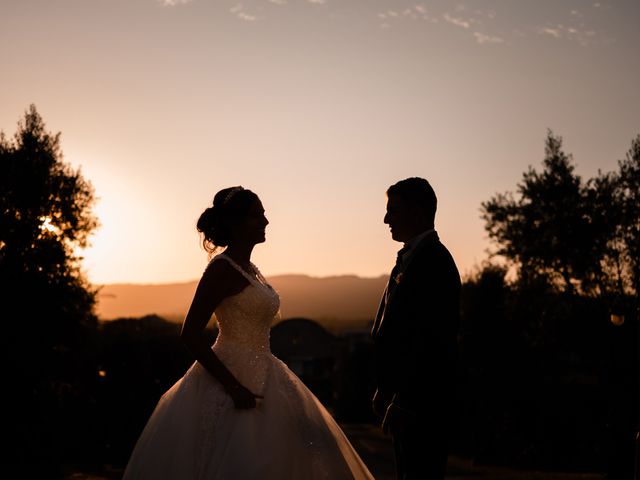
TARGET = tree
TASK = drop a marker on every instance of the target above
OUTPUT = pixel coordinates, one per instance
(576, 249)
(622, 372)
(45, 205)
(546, 232)
(628, 197)
(45, 217)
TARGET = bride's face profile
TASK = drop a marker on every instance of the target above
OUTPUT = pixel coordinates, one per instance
(251, 228)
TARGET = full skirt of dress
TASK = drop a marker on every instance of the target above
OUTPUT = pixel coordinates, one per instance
(196, 433)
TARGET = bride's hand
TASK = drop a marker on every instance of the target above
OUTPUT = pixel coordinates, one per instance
(242, 397)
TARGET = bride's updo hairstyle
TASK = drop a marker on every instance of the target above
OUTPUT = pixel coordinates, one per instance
(230, 205)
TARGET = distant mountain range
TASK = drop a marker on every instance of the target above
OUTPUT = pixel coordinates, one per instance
(337, 302)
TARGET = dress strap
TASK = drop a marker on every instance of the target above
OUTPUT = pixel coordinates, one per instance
(235, 265)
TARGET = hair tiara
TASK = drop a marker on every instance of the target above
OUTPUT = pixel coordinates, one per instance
(230, 195)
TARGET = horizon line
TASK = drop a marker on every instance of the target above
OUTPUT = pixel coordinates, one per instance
(323, 277)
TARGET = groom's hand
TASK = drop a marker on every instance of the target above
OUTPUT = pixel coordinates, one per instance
(379, 404)
(397, 420)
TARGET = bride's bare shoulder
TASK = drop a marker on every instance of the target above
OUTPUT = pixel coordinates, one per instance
(221, 272)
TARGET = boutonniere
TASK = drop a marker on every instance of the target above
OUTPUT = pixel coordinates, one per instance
(398, 278)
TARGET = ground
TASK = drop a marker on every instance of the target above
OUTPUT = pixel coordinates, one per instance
(376, 452)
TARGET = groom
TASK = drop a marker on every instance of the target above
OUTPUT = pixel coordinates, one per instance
(415, 334)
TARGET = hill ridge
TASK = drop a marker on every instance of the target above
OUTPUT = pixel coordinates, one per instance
(347, 299)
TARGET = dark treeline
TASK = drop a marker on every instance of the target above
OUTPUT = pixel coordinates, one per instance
(549, 342)
(548, 381)
(49, 333)
(552, 354)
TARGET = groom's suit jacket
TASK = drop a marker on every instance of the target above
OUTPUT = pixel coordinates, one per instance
(415, 333)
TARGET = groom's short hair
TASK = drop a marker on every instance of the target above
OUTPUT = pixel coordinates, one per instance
(416, 191)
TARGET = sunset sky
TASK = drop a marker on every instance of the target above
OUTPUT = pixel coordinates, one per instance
(318, 106)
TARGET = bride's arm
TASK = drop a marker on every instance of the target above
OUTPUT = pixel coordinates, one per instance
(217, 283)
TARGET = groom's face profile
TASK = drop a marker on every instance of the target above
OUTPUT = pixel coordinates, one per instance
(401, 219)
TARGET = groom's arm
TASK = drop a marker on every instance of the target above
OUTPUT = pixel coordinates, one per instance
(426, 373)
(426, 370)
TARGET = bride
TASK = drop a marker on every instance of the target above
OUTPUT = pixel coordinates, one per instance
(239, 413)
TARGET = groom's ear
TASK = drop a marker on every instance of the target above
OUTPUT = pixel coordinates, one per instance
(422, 215)
(418, 211)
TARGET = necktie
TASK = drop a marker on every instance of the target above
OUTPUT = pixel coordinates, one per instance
(397, 269)
(391, 285)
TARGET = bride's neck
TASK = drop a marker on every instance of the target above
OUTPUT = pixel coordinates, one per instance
(241, 254)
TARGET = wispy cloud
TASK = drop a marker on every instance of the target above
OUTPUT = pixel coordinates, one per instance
(582, 36)
(481, 38)
(579, 25)
(246, 17)
(554, 32)
(461, 17)
(457, 21)
(485, 25)
(173, 3)
(417, 12)
(238, 11)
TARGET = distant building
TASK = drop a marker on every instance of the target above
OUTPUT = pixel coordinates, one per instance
(338, 370)
(311, 352)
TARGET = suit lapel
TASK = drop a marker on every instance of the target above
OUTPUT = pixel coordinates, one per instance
(390, 292)
(384, 300)
(380, 312)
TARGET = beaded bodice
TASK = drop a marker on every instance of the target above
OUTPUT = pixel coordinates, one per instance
(245, 318)
(244, 322)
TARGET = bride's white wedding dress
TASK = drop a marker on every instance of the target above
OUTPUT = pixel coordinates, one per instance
(196, 433)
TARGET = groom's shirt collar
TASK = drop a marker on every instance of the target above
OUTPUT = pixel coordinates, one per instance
(410, 246)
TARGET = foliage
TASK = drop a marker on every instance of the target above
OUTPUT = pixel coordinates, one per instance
(628, 200)
(49, 327)
(575, 248)
(45, 209)
(578, 237)
(545, 232)
(532, 390)
(614, 198)
(138, 359)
